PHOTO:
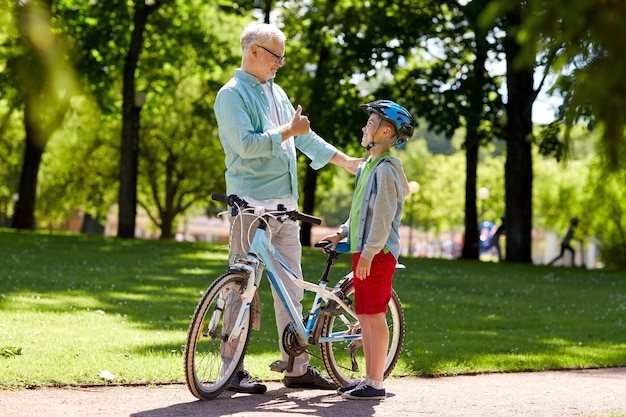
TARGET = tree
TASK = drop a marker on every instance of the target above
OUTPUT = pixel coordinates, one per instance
(77, 173)
(588, 39)
(583, 43)
(181, 164)
(454, 90)
(131, 108)
(47, 85)
(518, 168)
(170, 164)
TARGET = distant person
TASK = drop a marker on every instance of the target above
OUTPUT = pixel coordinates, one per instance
(494, 239)
(566, 242)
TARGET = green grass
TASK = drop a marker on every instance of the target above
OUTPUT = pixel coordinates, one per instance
(73, 306)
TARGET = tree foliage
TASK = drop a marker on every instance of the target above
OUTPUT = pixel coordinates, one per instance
(68, 93)
(585, 40)
(453, 89)
(340, 44)
(37, 65)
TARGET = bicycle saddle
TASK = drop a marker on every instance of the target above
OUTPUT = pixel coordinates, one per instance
(342, 247)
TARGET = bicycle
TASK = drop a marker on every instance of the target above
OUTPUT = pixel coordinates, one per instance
(220, 328)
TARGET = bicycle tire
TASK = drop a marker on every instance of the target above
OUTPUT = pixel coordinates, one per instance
(207, 372)
(342, 367)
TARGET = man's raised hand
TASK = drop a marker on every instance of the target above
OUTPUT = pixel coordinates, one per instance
(299, 124)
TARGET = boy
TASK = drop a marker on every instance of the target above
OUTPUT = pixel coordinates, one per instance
(373, 234)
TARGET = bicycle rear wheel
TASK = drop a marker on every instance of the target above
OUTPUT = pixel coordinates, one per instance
(211, 361)
(345, 360)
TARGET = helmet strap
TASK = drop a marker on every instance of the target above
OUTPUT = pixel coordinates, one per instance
(393, 139)
(372, 144)
(397, 138)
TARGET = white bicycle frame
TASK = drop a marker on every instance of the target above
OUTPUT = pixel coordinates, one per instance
(265, 250)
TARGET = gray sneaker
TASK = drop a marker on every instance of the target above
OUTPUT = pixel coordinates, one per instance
(311, 379)
(244, 382)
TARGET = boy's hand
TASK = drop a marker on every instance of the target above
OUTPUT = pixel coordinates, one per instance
(334, 239)
(363, 268)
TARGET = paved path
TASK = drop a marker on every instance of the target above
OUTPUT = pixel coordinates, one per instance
(589, 393)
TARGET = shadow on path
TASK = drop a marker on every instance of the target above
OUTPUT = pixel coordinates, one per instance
(277, 401)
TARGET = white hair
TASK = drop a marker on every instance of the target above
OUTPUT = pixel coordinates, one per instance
(258, 33)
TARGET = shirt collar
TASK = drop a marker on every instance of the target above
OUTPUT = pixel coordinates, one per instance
(249, 78)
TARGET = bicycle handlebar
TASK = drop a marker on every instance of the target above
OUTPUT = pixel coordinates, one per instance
(233, 200)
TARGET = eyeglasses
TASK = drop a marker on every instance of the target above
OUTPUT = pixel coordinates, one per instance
(277, 58)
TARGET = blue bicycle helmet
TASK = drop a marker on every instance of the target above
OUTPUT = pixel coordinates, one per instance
(396, 114)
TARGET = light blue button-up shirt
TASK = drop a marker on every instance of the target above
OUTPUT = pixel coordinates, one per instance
(258, 164)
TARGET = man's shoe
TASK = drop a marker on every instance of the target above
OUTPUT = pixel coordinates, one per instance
(244, 382)
(311, 379)
(365, 392)
(352, 385)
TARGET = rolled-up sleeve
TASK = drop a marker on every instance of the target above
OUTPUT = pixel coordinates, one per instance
(316, 149)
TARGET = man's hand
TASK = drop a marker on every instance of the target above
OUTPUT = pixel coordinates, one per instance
(349, 163)
(299, 125)
(352, 164)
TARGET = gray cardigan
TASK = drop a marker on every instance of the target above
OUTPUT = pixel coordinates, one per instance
(381, 209)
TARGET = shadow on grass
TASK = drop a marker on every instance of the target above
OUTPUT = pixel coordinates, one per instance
(150, 282)
(469, 316)
(461, 316)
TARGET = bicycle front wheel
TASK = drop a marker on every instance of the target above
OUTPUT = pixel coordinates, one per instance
(344, 359)
(211, 361)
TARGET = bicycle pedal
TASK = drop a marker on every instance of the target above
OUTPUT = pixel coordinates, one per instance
(278, 366)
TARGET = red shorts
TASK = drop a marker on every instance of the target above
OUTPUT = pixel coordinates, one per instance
(372, 294)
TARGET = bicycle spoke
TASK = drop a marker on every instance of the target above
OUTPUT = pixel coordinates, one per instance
(343, 355)
(211, 360)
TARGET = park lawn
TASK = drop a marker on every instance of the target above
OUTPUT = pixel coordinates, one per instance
(83, 309)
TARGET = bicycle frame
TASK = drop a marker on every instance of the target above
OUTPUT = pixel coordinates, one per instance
(219, 331)
(265, 250)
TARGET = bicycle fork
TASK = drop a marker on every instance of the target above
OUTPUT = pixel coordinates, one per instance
(253, 268)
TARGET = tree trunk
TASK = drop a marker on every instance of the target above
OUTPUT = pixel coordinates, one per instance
(471, 243)
(25, 206)
(166, 227)
(169, 208)
(130, 128)
(470, 240)
(308, 204)
(518, 165)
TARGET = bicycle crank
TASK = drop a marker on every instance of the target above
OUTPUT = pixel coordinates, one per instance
(292, 346)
